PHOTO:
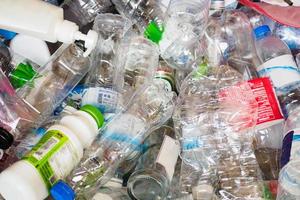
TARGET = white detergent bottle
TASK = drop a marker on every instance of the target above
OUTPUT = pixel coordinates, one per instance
(42, 20)
(53, 157)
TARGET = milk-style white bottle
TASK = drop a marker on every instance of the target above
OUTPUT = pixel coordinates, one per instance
(53, 157)
(42, 20)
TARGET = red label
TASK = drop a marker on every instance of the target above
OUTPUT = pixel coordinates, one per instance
(268, 107)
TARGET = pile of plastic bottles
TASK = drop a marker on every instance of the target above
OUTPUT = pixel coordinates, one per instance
(149, 100)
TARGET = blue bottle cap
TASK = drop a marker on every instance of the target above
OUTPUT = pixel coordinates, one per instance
(261, 31)
(62, 191)
(8, 35)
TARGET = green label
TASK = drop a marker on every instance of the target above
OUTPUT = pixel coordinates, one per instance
(43, 151)
(24, 73)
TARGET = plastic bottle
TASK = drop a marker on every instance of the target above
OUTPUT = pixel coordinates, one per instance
(183, 27)
(156, 167)
(5, 58)
(289, 35)
(111, 29)
(289, 182)
(83, 12)
(147, 14)
(137, 60)
(276, 59)
(217, 152)
(51, 27)
(290, 146)
(152, 107)
(233, 29)
(53, 158)
(54, 81)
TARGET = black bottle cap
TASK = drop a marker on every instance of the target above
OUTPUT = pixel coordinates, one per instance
(6, 139)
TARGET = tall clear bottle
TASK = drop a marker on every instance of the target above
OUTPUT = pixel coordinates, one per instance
(154, 172)
(152, 107)
(230, 32)
(55, 80)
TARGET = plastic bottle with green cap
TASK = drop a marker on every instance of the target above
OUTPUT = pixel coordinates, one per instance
(148, 16)
(53, 157)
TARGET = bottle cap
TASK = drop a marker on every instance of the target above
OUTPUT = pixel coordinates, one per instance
(6, 139)
(95, 113)
(8, 35)
(153, 32)
(68, 32)
(261, 31)
(62, 191)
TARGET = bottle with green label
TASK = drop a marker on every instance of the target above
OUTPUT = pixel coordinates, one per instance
(53, 157)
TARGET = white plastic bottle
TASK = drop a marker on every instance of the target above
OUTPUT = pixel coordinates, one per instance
(53, 157)
(42, 20)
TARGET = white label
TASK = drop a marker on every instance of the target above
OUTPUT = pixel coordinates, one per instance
(168, 155)
(282, 70)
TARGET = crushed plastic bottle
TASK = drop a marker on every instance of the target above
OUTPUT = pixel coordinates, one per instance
(152, 107)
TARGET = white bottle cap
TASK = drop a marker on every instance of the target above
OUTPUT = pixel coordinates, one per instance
(22, 181)
(68, 32)
(203, 191)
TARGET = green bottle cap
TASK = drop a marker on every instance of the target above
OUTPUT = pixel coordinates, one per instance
(21, 75)
(95, 113)
(153, 32)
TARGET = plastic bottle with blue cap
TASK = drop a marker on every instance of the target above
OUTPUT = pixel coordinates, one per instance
(53, 157)
(276, 60)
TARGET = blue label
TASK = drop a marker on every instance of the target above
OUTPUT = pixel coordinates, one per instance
(286, 148)
(191, 143)
(265, 71)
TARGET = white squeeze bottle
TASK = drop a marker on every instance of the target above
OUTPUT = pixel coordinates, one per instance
(53, 157)
(42, 20)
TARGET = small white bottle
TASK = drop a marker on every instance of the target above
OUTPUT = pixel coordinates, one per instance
(42, 20)
(53, 157)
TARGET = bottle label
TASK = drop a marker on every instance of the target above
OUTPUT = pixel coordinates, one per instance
(126, 129)
(290, 146)
(268, 106)
(53, 156)
(282, 70)
(191, 138)
(105, 99)
(168, 155)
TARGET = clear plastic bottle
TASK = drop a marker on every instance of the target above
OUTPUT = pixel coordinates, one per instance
(111, 29)
(55, 80)
(154, 172)
(289, 182)
(83, 12)
(152, 107)
(137, 60)
(276, 59)
(216, 140)
(147, 14)
(184, 25)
